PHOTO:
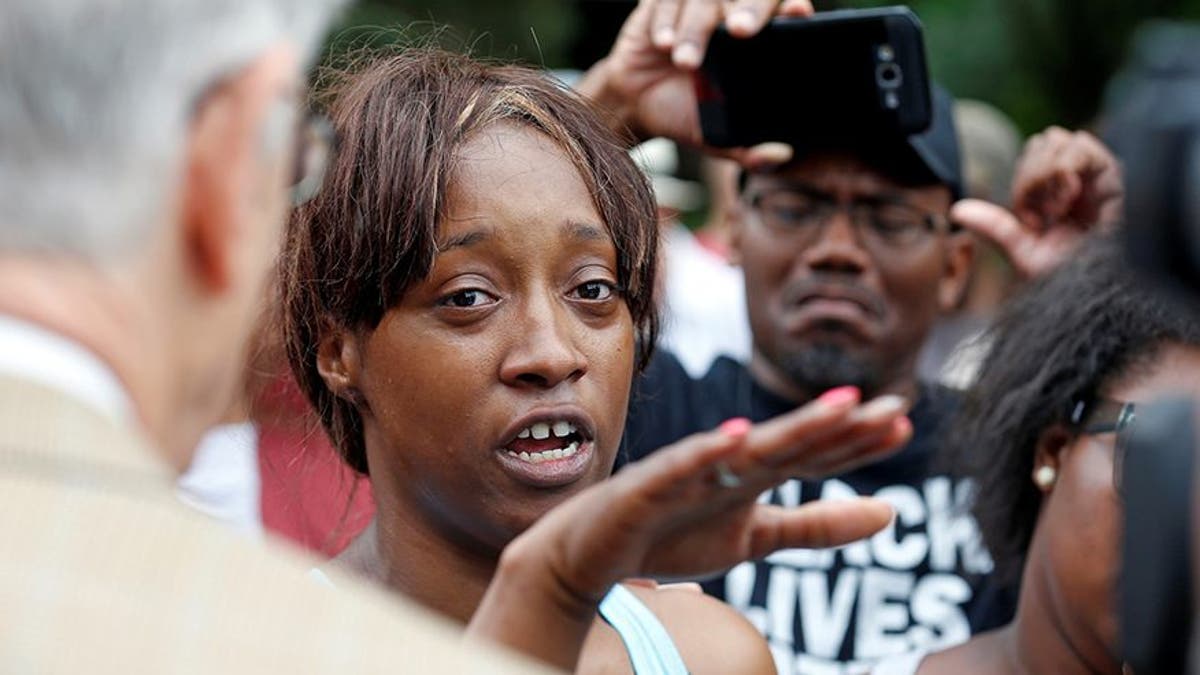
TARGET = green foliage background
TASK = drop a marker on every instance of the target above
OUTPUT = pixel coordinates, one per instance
(1041, 61)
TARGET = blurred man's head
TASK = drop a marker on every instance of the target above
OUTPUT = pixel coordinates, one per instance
(850, 258)
(148, 150)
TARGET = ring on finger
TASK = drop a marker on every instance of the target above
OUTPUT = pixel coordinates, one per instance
(726, 478)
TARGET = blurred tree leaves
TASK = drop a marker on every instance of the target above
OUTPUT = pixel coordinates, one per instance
(1041, 61)
(534, 31)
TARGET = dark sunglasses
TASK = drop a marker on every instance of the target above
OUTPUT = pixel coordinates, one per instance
(1104, 416)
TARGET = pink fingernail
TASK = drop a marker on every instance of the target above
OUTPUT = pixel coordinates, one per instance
(738, 426)
(840, 396)
(903, 426)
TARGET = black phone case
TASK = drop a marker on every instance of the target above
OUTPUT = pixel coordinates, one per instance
(816, 80)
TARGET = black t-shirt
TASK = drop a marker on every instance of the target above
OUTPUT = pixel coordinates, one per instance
(921, 583)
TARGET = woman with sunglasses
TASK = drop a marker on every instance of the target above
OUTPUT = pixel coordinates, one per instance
(1043, 434)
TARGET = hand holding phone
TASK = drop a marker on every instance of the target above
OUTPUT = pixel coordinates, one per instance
(643, 87)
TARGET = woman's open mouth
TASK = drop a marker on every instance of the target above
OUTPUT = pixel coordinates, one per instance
(542, 442)
(549, 452)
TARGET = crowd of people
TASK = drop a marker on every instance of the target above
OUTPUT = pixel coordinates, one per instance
(454, 268)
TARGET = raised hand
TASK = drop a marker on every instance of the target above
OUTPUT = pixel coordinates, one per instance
(1067, 178)
(645, 82)
(688, 510)
(1066, 185)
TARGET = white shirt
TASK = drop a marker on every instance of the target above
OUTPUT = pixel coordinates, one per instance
(705, 313)
(31, 352)
(223, 480)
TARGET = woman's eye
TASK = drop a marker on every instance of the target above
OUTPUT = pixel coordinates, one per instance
(595, 290)
(471, 297)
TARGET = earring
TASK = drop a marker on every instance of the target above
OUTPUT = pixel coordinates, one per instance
(1045, 476)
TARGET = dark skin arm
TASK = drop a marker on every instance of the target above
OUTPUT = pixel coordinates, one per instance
(667, 517)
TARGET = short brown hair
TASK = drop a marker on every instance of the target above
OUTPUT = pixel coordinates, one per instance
(352, 252)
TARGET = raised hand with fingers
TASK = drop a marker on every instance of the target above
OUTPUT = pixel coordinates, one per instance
(645, 82)
(1068, 178)
(673, 516)
(1066, 185)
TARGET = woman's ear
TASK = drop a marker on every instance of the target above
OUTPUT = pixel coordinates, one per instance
(340, 364)
(1047, 457)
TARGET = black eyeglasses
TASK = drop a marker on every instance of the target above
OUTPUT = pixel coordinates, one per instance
(316, 144)
(883, 225)
(1104, 416)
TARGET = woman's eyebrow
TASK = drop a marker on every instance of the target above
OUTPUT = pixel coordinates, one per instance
(469, 238)
(586, 232)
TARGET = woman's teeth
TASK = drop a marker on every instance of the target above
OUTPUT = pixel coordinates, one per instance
(546, 455)
(542, 431)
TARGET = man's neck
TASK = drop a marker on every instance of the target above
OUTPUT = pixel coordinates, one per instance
(80, 304)
(771, 378)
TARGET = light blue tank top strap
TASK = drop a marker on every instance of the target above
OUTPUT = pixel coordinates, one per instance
(651, 650)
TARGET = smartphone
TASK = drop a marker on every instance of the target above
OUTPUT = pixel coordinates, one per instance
(841, 75)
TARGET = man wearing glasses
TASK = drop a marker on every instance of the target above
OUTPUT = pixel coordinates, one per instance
(849, 258)
(851, 252)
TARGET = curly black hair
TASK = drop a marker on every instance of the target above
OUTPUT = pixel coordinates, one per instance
(1066, 339)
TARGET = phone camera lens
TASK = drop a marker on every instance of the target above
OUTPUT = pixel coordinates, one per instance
(888, 76)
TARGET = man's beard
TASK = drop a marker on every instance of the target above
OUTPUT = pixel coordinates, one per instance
(819, 367)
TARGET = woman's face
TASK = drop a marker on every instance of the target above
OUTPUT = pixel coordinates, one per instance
(1082, 513)
(498, 386)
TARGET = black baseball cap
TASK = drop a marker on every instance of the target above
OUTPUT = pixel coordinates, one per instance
(936, 150)
(932, 156)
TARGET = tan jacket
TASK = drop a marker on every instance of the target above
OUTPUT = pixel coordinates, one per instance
(103, 571)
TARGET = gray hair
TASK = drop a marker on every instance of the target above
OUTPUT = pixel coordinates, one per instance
(95, 99)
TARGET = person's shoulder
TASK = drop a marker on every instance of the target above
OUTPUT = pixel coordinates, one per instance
(908, 663)
(667, 404)
(166, 572)
(666, 367)
(723, 387)
(983, 654)
(725, 369)
(711, 636)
